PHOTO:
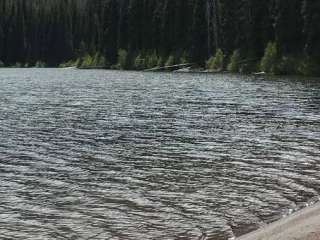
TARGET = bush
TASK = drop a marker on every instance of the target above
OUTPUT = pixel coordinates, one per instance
(170, 61)
(287, 65)
(18, 65)
(152, 60)
(40, 64)
(139, 62)
(269, 61)
(123, 59)
(249, 67)
(309, 67)
(70, 63)
(1, 64)
(184, 58)
(86, 61)
(78, 62)
(160, 62)
(216, 62)
(235, 60)
(98, 61)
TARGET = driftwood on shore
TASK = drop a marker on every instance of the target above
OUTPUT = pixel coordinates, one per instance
(170, 68)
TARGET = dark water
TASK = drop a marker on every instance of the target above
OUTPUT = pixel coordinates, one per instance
(123, 155)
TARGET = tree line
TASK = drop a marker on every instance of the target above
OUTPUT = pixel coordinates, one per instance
(276, 36)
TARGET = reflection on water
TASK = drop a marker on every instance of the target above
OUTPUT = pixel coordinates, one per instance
(128, 155)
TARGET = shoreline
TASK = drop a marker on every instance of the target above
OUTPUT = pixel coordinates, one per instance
(257, 74)
(301, 225)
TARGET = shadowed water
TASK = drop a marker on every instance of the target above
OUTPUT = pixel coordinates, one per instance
(129, 155)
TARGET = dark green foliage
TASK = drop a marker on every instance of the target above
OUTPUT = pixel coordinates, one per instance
(269, 62)
(123, 60)
(38, 64)
(215, 63)
(18, 65)
(140, 62)
(235, 61)
(152, 60)
(170, 61)
(289, 65)
(309, 67)
(288, 24)
(70, 63)
(147, 32)
(311, 28)
(184, 58)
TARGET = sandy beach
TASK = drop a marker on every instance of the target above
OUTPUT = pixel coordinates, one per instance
(302, 225)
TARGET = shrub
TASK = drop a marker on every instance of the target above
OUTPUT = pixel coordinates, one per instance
(102, 61)
(234, 64)
(98, 60)
(40, 64)
(184, 58)
(270, 59)
(123, 60)
(170, 61)
(160, 62)
(139, 62)
(95, 60)
(249, 67)
(18, 65)
(86, 61)
(152, 60)
(309, 67)
(216, 62)
(78, 62)
(288, 65)
(1, 64)
(69, 63)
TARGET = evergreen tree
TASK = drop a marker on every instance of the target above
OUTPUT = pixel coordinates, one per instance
(61, 31)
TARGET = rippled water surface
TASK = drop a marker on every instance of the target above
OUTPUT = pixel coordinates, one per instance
(129, 155)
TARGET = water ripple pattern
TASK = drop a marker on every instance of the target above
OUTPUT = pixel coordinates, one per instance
(130, 155)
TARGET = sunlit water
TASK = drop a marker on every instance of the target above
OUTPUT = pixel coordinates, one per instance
(129, 155)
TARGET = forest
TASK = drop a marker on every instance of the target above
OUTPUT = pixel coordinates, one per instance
(274, 36)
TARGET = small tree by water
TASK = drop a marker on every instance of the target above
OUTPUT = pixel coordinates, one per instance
(123, 59)
(234, 64)
(139, 62)
(184, 58)
(18, 65)
(170, 61)
(270, 59)
(86, 61)
(288, 65)
(216, 62)
(309, 67)
(152, 60)
(98, 60)
(160, 62)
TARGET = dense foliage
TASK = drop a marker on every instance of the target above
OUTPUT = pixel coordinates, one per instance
(147, 33)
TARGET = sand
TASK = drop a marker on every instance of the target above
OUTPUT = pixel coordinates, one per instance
(302, 225)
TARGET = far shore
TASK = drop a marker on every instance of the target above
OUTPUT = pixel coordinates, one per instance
(163, 70)
(302, 225)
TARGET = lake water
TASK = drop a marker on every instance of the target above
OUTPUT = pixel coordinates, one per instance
(131, 155)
